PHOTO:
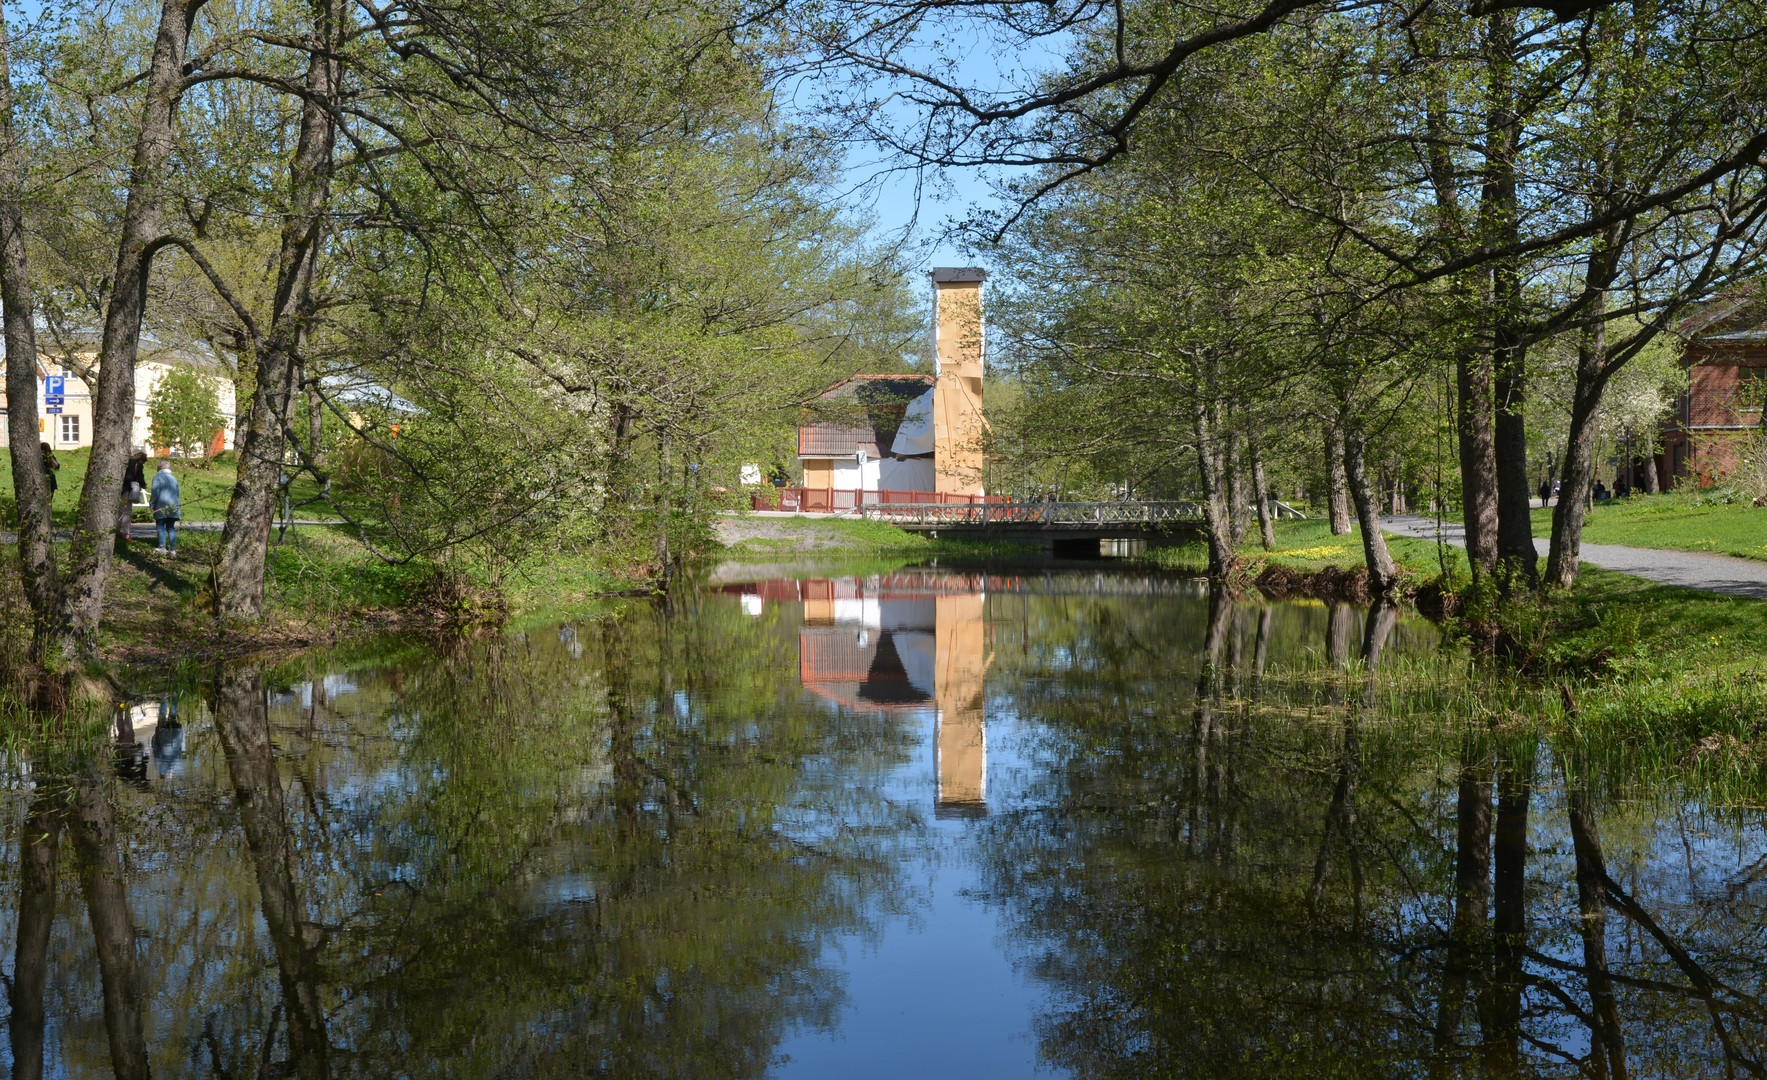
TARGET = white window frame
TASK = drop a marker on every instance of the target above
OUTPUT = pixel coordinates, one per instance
(70, 422)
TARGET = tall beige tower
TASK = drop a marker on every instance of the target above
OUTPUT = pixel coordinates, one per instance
(960, 682)
(959, 425)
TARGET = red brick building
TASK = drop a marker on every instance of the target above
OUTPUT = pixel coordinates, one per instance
(1726, 357)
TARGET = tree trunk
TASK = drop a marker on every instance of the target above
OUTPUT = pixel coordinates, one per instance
(1340, 824)
(665, 509)
(1517, 567)
(1383, 615)
(245, 540)
(113, 399)
(1338, 634)
(1266, 530)
(1472, 887)
(1517, 560)
(1648, 470)
(113, 930)
(1578, 470)
(1501, 1006)
(36, 550)
(1337, 487)
(1607, 1039)
(1478, 462)
(244, 727)
(1383, 573)
(1215, 639)
(1215, 525)
(315, 419)
(1235, 488)
(39, 841)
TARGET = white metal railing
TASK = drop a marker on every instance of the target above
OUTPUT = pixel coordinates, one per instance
(1055, 515)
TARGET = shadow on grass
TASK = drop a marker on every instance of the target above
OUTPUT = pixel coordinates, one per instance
(159, 573)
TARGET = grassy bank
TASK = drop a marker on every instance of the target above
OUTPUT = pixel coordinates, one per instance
(749, 537)
(1306, 546)
(322, 586)
(1621, 665)
(1678, 672)
(1688, 520)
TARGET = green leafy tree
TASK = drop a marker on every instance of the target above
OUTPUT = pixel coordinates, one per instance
(185, 412)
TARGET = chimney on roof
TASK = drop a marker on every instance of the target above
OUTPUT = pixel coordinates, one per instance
(958, 357)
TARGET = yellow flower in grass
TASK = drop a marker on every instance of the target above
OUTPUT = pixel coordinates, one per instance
(1324, 551)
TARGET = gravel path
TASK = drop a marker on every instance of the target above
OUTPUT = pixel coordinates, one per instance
(1693, 570)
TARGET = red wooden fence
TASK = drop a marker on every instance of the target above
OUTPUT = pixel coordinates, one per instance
(832, 500)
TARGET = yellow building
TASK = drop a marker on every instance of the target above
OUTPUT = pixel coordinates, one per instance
(959, 340)
(71, 427)
(884, 437)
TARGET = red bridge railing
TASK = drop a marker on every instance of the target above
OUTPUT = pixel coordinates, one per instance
(834, 500)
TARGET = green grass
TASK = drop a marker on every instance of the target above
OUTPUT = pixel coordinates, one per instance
(1675, 521)
(204, 490)
(860, 535)
(1308, 545)
(1675, 678)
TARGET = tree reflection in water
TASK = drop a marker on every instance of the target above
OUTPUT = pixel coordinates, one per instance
(1228, 888)
(623, 847)
(614, 852)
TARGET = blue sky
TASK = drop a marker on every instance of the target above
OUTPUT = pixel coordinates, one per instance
(929, 208)
(925, 214)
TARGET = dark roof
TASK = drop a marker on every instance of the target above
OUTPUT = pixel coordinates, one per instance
(1738, 314)
(862, 413)
(959, 273)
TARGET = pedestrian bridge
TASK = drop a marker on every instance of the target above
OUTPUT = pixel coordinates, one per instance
(1042, 522)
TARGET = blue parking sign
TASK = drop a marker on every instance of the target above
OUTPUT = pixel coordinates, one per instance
(54, 385)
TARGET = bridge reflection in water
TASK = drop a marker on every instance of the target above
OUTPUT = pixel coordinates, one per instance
(907, 641)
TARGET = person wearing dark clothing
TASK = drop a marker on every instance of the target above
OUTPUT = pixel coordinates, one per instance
(50, 466)
(134, 487)
(1545, 492)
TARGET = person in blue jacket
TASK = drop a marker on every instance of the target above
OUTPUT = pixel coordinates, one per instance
(164, 500)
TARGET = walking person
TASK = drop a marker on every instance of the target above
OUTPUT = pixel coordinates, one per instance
(134, 488)
(166, 505)
(50, 467)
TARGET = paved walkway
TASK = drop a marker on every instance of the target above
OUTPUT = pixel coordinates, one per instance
(1689, 569)
(147, 531)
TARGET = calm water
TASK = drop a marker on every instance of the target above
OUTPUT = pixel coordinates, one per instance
(923, 824)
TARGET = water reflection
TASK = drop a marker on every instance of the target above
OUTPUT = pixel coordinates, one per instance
(1211, 838)
(76, 805)
(912, 641)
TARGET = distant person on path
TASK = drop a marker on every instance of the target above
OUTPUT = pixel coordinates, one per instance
(134, 487)
(1545, 491)
(50, 466)
(166, 504)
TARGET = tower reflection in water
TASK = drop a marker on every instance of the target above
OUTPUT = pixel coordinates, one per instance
(906, 641)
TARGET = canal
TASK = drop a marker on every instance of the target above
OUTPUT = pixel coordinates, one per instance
(927, 822)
